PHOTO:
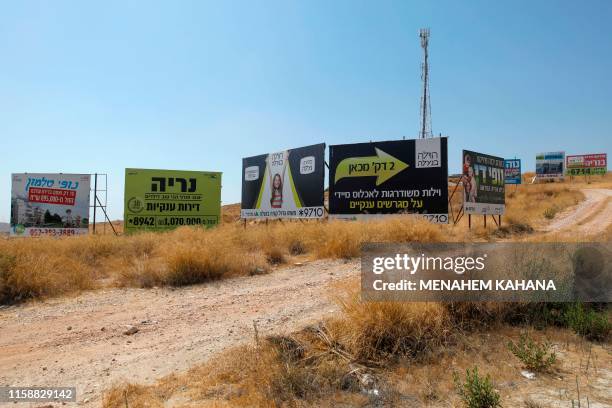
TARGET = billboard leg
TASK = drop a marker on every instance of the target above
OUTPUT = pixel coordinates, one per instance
(95, 201)
(106, 217)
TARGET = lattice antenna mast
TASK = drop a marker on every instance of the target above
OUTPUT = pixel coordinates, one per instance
(425, 100)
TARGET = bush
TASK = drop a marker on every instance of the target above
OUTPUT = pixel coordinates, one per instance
(296, 247)
(31, 276)
(550, 213)
(476, 392)
(275, 256)
(189, 266)
(587, 322)
(535, 355)
(373, 331)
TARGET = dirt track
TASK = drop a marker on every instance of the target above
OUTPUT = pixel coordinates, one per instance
(80, 342)
(592, 216)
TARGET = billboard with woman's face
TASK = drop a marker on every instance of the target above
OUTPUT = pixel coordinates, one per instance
(285, 184)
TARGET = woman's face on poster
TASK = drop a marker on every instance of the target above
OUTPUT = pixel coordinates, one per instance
(277, 181)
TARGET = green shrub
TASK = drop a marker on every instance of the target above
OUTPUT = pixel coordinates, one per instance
(587, 322)
(476, 391)
(535, 355)
(550, 213)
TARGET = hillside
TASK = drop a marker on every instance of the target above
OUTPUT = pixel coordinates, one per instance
(289, 290)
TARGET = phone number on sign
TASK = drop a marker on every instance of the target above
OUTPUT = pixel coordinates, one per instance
(165, 221)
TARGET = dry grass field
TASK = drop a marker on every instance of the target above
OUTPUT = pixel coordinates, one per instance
(51, 267)
(47, 267)
(412, 354)
(367, 354)
(392, 354)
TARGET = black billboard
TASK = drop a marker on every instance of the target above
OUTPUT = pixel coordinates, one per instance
(285, 184)
(393, 177)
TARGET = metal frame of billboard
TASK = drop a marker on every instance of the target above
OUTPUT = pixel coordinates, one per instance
(461, 212)
(101, 204)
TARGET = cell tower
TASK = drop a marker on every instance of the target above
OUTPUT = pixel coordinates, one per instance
(425, 102)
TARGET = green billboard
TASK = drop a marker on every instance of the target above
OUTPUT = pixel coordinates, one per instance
(160, 200)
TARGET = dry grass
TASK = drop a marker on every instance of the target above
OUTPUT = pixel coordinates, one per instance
(376, 354)
(50, 267)
(32, 268)
(384, 354)
(374, 331)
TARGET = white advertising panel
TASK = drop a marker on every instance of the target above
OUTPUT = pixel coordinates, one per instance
(46, 204)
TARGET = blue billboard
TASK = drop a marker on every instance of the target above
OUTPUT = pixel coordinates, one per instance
(512, 171)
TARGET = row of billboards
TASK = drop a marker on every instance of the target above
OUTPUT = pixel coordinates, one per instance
(365, 180)
(370, 180)
(157, 200)
(555, 165)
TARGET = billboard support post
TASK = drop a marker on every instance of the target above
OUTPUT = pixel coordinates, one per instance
(450, 203)
(106, 216)
(495, 220)
(459, 216)
(95, 201)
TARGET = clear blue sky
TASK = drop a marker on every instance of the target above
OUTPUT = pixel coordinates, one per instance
(100, 86)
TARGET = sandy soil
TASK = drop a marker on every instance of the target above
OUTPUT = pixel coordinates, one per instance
(80, 341)
(592, 216)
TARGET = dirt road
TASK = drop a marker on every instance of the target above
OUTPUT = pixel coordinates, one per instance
(80, 342)
(592, 216)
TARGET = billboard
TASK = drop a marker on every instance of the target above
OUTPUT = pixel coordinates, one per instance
(550, 165)
(402, 176)
(512, 173)
(160, 200)
(285, 184)
(483, 184)
(583, 164)
(47, 204)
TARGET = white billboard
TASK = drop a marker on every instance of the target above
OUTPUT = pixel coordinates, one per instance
(47, 204)
(550, 165)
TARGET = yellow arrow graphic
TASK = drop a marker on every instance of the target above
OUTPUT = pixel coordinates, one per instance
(383, 166)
